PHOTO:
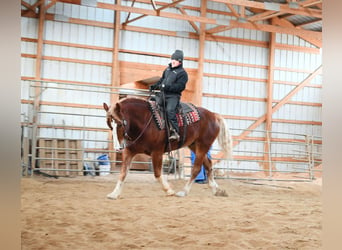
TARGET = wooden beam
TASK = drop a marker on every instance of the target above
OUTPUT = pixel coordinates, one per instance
(52, 3)
(269, 82)
(264, 15)
(156, 13)
(312, 35)
(243, 11)
(231, 8)
(115, 54)
(309, 3)
(115, 80)
(27, 6)
(201, 46)
(158, 10)
(269, 104)
(39, 53)
(296, 89)
(193, 24)
(309, 35)
(279, 104)
(285, 8)
(317, 41)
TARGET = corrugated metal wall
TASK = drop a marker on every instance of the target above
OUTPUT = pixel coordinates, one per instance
(235, 73)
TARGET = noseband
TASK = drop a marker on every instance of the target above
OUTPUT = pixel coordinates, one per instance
(123, 123)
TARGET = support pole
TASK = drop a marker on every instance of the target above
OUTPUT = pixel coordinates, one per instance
(38, 84)
(115, 82)
(268, 126)
(199, 79)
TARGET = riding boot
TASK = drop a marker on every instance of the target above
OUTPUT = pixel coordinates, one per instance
(174, 135)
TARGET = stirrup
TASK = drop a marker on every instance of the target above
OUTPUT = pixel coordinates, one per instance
(174, 136)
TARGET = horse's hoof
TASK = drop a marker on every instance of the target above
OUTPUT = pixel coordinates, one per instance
(181, 194)
(221, 192)
(112, 197)
(170, 192)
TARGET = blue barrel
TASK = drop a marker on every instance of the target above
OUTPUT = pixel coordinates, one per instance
(202, 176)
(103, 159)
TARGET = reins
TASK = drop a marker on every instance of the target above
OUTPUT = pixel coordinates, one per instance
(136, 139)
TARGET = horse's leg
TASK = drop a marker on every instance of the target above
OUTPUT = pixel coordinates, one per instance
(157, 161)
(127, 159)
(194, 172)
(211, 181)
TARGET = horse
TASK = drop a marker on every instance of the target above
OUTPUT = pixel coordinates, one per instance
(138, 133)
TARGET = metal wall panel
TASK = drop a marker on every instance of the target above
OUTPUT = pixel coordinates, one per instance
(29, 27)
(82, 12)
(28, 66)
(78, 34)
(28, 47)
(236, 70)
(78, 53)
(76, 72)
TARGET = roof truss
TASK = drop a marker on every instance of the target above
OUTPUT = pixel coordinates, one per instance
(259, 15)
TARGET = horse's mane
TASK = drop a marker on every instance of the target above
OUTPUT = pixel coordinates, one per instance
(128, 102)
(135, 100)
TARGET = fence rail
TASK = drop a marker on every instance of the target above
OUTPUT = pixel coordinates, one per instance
(290, 156)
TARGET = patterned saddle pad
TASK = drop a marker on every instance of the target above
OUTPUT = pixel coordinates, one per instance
(189, 112)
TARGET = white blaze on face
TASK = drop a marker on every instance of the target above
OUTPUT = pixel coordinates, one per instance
(116, 142)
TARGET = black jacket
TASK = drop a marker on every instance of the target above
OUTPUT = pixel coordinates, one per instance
(174, 80)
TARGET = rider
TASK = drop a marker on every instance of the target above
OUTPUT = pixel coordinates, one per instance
(173, 82)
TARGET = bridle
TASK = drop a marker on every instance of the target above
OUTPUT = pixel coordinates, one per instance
(128, 141)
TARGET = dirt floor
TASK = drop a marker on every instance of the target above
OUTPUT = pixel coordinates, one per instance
(74, 213)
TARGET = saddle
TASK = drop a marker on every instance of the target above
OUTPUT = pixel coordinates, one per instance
(187, 113)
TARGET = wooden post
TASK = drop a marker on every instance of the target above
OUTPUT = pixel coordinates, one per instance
(40, 41)
(199, 79)
(38, 84)
(114, 97)
(268, 125)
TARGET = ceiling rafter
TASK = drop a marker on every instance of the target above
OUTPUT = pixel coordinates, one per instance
(52, 3)
(30, 8)
(231, 8)
(285, 8)
(286, 23)
(288, 29)
(27, 5)
(264, 15)
(193, 25)
(156, 9)
(308, 22)
(309, 3)
(173, 4)
(264, 12)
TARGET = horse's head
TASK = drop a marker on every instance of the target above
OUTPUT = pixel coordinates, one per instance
(111, 116)
(114, 114)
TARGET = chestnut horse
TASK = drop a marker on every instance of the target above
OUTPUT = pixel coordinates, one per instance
(138, 132)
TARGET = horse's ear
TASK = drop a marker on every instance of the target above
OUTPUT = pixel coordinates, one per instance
(105, 106)
(117, 109)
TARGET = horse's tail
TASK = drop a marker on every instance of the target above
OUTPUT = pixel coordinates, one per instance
(224, 138)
